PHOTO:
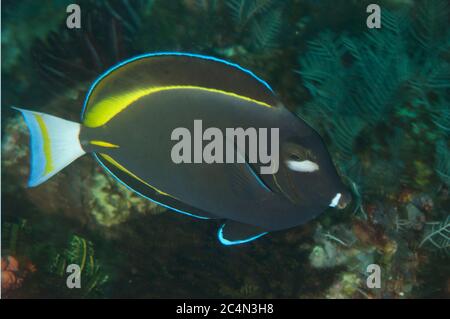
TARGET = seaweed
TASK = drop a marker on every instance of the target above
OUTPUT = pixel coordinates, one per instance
(441, 118)
(377, 68)
(126, 12)
(80, 251)
(243, 11)
(346, 131)
(373, 84)
(266, 30)
(107, 36)
(259, 20)
(13, 237)
(443, 162)
(438, 235)
(208, 6)
(431, 16)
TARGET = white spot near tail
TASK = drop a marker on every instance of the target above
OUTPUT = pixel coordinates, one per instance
(54, 144)
(303, 166)
(335, 200)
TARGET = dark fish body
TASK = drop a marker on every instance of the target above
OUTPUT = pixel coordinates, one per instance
(132, 110)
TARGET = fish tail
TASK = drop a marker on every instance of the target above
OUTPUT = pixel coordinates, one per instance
(54, 144)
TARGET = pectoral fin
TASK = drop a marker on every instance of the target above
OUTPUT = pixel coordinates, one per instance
(235, 233)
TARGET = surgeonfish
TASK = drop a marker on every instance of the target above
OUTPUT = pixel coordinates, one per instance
(127, 120)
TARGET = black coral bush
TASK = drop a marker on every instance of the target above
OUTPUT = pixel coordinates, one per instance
(381, 98)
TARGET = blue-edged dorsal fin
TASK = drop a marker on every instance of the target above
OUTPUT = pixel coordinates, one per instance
(235, 233)
(168, 69)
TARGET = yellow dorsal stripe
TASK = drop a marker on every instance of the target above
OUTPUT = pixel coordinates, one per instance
(103, 111)
(116, 164)
(103, 144)
(46, 144)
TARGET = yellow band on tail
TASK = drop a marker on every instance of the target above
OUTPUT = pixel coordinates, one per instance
(45, 137)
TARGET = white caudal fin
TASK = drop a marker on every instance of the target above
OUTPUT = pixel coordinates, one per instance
(54, 144)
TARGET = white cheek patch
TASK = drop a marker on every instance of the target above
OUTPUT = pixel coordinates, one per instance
(335, 200)
(303, 166)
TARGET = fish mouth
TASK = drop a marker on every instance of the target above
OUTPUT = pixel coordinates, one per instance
(345, 199)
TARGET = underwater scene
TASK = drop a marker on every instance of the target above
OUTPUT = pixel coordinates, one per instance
(353, 201)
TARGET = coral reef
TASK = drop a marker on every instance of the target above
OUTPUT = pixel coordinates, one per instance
(392, 235)
(380, 98)
(16, 266)
(112, 204)
(13, 273)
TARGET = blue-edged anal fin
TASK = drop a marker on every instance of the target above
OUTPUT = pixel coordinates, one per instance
(235, 233)
(151, 193)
